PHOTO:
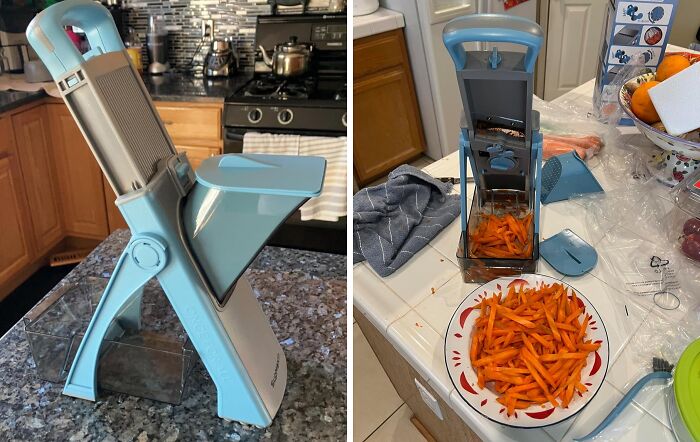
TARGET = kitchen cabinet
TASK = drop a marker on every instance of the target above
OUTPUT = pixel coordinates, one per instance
(197, 154)
(79, 177)
(115, 220)
(192, 123)
(52, 190)
(195, 128)
(31, 128)
(574, 34)
(385, 107)
(16, 246)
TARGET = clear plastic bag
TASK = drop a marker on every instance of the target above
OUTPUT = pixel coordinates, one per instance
(606, 105)
(635, 254)
(568, 128)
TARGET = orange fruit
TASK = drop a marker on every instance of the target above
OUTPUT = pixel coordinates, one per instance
(641, 104)
(670, 66)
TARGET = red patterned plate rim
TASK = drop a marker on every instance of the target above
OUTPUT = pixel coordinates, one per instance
(536, 418)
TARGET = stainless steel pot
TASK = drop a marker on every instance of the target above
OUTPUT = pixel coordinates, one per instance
(289, 59)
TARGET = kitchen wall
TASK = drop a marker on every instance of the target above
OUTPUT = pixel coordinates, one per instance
(183, 18)
(686, 23)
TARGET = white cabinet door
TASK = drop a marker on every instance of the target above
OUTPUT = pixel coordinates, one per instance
(526, 10)
(573, 42)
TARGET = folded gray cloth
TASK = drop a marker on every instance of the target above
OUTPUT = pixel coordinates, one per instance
(393, 221)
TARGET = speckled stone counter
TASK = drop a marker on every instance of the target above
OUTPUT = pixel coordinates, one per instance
(303, 294)
(180, 87)
(12, 99)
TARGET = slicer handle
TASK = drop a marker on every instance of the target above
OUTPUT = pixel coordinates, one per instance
(47, 36)
(492, 28)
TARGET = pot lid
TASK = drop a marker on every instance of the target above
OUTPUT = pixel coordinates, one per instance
(686, 384)
(293, 46)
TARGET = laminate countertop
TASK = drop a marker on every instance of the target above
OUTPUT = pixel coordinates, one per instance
(303, 294)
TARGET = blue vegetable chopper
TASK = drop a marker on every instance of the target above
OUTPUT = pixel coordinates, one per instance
(500, 138)
(194, 233)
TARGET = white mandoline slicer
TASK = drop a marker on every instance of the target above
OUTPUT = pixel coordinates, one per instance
(196, 236)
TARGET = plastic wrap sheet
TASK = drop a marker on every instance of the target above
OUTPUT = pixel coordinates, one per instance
(569, 121)
(635, 254)
(640, 256)
(607, 108)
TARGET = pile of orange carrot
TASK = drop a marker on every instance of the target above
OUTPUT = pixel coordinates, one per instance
(502, 237)
(531, 346)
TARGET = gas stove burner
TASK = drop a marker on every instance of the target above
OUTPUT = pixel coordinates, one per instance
(261, 88)
(292, 90)
(281, 89)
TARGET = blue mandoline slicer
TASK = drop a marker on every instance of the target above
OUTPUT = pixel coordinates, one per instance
(196, 236)
(500, 132)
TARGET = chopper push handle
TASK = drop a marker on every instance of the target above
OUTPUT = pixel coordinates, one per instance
(492, 28)
(47, 36)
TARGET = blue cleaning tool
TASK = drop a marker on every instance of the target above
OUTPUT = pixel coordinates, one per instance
(631, 11)
(568, 253)
(661, 370)
(500, 137)
(196, 235)
(565, 176)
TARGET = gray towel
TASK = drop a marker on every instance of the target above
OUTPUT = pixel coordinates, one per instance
(393, 221)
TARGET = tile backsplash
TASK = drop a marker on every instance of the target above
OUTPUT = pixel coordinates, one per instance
(183, 20)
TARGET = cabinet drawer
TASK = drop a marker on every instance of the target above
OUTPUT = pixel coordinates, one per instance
(197, 154)
(377, 52)
(185, 123)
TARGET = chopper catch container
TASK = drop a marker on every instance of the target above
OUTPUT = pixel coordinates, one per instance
(500, 138)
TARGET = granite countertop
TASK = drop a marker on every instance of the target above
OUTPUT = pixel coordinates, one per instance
(181, 87)
(303, 294)
(168, 87)
(13, 99)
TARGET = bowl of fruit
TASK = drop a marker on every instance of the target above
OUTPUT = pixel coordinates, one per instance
(680, 155)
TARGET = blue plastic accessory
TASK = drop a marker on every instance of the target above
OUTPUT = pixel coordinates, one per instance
(662, 369)
(565, 176)
(568, 253)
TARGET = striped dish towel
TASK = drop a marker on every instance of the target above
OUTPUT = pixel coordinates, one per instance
(332, 203)
(395, 220)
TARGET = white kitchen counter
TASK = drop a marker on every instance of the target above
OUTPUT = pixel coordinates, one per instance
(413, 319)
(382, 20)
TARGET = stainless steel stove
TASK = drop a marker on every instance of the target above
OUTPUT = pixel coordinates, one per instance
(314, 104)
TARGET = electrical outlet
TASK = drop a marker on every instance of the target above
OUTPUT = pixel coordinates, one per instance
(429, 399)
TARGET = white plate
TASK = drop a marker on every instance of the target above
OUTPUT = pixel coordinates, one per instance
(463, 376)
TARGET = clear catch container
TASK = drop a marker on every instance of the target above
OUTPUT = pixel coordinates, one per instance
(145, 362)
(486, 252)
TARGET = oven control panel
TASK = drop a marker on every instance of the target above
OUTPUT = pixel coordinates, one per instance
(302, 118)
(330, 36)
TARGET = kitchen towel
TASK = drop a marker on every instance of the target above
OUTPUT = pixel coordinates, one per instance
(393, 221)
(332, 203)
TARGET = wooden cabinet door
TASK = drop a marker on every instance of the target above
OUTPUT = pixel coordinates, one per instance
(197, 154)
(192, 123)
(79, 177)
(573, 44)
(388, 129)
(115, 220)
(16, 248)
(33, 148)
